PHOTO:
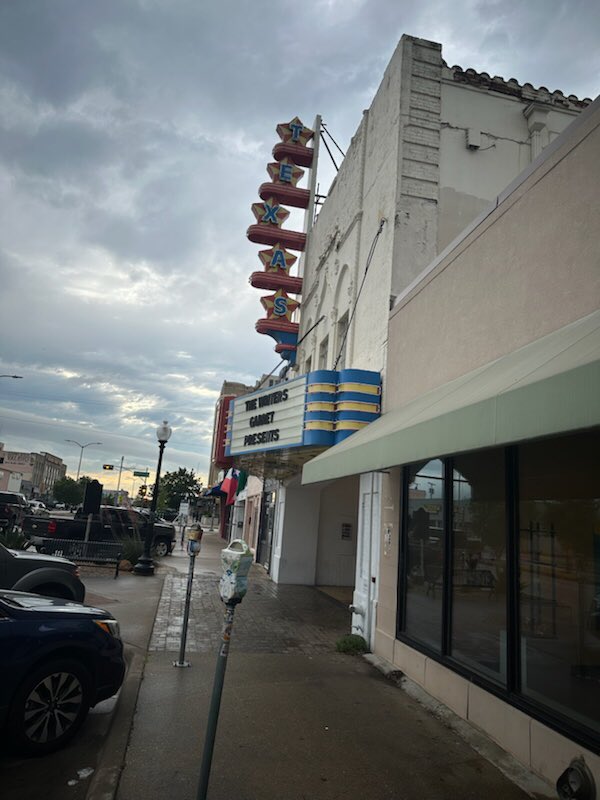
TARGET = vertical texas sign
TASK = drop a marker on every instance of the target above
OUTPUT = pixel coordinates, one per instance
(290, 154)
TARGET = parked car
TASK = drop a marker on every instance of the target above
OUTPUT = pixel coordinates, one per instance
(13, 510)
(57, 660)
(52, 576)
(60, 506)
(38, 508)
(110, 524)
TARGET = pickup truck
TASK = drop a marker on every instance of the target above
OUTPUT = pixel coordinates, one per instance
(13, 509)
(111, 524)
(48, 575)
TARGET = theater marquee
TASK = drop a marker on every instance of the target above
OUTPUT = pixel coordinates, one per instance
(315, 410)
(268, 419)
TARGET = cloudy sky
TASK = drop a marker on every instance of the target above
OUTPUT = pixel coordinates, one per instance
(133, 137)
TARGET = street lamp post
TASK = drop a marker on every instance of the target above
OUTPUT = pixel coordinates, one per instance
(145, 565)
(83, 446)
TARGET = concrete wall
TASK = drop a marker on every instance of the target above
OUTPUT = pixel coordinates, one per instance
(529, 268)
(336, 557)
(385, 631)
(471, 178)
(410, 164)
(540, 748)
(363, 192)
(296, 534)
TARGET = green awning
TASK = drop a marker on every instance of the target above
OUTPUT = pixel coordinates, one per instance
(548, 387)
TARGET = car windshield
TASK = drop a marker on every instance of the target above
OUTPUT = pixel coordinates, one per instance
(8, 497)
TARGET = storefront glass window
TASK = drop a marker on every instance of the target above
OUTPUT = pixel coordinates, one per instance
(425, 553)
(479, 563)
(559, 510)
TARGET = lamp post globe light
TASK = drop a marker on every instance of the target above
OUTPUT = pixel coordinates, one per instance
(145, 565)
(83, 446)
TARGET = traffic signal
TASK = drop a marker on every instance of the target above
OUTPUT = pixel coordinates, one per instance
(108, 466)
(143, 490)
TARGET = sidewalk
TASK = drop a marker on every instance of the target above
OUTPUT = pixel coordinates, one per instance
(297, 721)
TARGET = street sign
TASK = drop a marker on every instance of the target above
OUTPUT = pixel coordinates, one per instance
(139, 474)
(108, 466)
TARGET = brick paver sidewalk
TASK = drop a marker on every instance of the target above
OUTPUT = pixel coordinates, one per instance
(271, 618)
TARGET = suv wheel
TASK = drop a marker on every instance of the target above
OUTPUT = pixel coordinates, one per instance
(161, 548)
(49, 707)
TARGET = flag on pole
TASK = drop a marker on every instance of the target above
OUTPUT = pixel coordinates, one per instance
(229, 485)
(242, 481)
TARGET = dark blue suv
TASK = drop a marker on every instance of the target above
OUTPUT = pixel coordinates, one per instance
(58, 658)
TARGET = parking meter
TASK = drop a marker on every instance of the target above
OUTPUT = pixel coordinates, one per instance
(236, 560)
(194, 538)
(193, 548)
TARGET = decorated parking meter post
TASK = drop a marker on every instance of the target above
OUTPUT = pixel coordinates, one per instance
(193, 548)
(236, 560)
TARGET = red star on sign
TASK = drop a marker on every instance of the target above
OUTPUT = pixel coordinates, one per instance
(294, 132)
(277, 259)
(284, 171)
(279, 305)
(270, 212)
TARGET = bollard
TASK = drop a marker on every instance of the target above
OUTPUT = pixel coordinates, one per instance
(236, 560)
(194, 540)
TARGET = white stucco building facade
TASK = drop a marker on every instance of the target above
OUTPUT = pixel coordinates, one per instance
(484, 555)
(435, 147)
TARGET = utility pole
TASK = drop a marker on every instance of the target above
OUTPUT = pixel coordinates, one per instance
(119, 481)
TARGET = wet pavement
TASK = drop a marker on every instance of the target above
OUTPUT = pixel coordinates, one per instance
(271, 619)
(298, 720)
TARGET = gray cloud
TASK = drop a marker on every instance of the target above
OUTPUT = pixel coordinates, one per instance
(133, 137)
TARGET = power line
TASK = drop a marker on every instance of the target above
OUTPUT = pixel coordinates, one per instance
(324, 129)
(330, 154)
(369, 258)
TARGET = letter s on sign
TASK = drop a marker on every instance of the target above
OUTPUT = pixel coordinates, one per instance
(280, 306)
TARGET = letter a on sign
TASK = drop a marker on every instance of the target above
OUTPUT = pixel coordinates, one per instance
(278, 259)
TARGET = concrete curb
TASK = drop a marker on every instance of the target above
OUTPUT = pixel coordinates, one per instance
(105, 781)
(513, 769)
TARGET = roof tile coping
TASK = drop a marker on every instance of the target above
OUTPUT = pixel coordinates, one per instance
(512, 87)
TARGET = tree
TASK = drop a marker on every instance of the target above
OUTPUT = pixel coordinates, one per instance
(176, 487)
(68, 491)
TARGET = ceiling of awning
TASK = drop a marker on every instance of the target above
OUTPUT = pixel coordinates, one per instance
(550, 386)
(278, 464)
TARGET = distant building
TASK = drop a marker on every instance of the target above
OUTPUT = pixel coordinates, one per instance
(218, 460)
(33, 474)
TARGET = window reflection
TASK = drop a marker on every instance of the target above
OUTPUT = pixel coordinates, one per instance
(425, 549)
(560, 574)
(479, 562)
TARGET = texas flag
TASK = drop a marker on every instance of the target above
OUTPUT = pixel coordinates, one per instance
(230, 484)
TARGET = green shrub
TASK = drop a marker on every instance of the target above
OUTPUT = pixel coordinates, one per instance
(352, 643)
(133, 547)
